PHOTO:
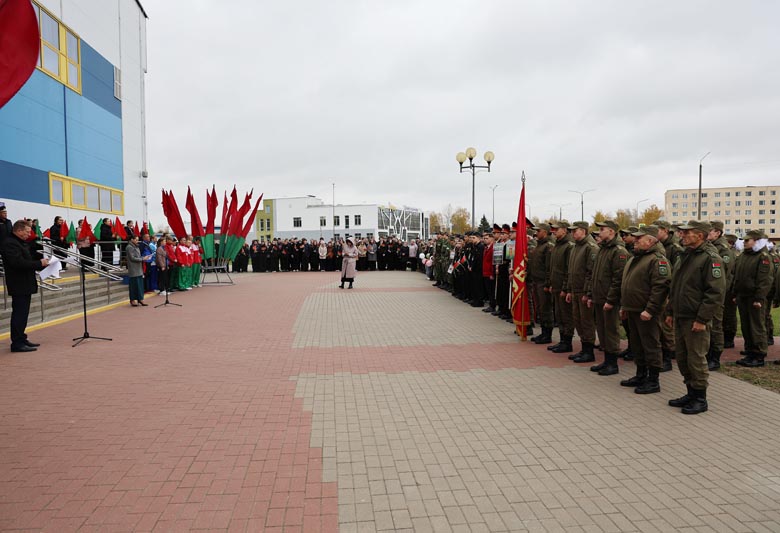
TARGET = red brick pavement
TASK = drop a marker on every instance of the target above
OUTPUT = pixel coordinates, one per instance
(187, 419)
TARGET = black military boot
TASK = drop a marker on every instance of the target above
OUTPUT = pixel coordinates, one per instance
(627, 355)
(545, 337)
(749, 356)
(564, 346)
(728, 341)
(529, 330)
(600, 366)
(342, 285)
(586, 355)
(611, 367)
(638, 379)
(684, 400)
(554, 346)
(651, 384)
(667, 360)
(755, 361)
(713, 362)
(698, 403)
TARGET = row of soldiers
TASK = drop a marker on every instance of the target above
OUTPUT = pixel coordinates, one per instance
(675, 291)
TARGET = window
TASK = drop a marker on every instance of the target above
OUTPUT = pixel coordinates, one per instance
(336, 220)
(717, 204)
(772, 212)
(369, 235)
(717, 195)
(762, 202)
(60, 50)
(748, 202)
(716, 213)
(674, 206)
(748, 193)
(117, 83)
(268, 208)
(336, 235)
(748, 212)
(762, 193)
(358, 220)
(65, 191)
(772, 202)
(736, 221)
(323, 221)
(357, 235)
(685, 195)
(736, 193)
(296, 222)
(268, 225)
(261, 224)
(704, 195)
(761, 221)
(773, 193)
(727, 222)
(704, 213)
(675, 195)
(675, 214)
(346, 221)
(737, 203)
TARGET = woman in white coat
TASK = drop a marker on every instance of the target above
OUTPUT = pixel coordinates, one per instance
(349, 263)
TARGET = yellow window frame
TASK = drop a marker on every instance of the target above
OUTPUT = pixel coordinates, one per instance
(68, 182)
(64, 60)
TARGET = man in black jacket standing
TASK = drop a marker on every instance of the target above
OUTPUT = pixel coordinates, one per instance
(5, 225)
(20, 281)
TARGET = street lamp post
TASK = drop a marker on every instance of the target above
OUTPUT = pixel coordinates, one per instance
(333, 213)
(493, 188)
(637, 209)
(698, 203)
(582, 201)
(470, 154)
(560, 209)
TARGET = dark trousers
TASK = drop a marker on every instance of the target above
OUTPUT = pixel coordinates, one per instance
(645, 338)
(490, 290)
(136, 288)
(753, 324)
(20, 311)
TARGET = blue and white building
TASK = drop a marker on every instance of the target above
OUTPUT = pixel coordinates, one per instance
(73, 139)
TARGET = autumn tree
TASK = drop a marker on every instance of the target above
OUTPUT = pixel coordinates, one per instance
(624, 218)
(651, 214)
(459, 220)
(599, 216)
(436, 222)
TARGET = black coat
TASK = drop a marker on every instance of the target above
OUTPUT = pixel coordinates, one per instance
(20, 267)
(6, 230)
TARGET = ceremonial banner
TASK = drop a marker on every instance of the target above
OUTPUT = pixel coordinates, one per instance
(196, 224)
(19, 46)
(211, 213)
(520, 309)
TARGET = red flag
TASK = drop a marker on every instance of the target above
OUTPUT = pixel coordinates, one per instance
(197, 225)
(223, 227)
(520, 309)
(251, 219)
(174, 217)
(47, 233)
(137, 230)
(86, 232)
(211, 210)
(145, 229)
(237, 223)
(119, 229)
(19, 46)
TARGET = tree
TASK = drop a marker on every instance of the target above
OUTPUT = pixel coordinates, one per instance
(484, 225)
(436, 222)
(651, 214)
(624, 218)
(599, 216)
(459, 220)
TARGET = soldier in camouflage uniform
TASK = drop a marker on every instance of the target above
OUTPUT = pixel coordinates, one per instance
(727, 254)
(581, 263)
(698, 285)
(672, 250)
(559, 274)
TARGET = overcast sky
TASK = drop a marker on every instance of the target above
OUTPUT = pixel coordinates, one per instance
(378, 97)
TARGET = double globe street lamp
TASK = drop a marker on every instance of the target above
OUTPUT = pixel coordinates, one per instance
(470, 154)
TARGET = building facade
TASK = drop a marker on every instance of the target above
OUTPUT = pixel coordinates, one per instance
(740, 208)
(308, 217)
(73, 139)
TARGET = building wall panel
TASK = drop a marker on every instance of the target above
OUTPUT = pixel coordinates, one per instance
(24, 183)
(97, 80)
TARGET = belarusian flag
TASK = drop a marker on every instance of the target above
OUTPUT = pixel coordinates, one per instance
(211, 212)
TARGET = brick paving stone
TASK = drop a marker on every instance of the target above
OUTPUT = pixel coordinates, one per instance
(284, 403)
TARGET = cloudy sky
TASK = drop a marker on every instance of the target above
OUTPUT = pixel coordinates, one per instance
(378, 97)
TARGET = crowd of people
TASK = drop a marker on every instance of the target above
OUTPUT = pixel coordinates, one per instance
(675, 291)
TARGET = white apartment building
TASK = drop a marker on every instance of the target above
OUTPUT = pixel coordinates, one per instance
(310, 217)
(740, 208)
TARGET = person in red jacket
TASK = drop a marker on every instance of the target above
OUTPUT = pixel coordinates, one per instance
(488, 275)
(197, 255)
(173, 263)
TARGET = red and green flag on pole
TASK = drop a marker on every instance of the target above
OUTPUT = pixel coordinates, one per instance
(521, 314)
(72, 236)
(208, 233)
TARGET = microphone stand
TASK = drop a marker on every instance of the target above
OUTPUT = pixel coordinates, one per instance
(167, 290)
(86, 335)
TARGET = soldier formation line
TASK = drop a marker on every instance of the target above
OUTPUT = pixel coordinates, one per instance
(675, 290)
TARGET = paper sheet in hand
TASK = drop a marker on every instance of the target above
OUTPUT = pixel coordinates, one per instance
(52, 270)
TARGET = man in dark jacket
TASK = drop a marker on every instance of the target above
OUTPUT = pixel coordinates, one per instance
(558, 281)
(643, 295)
(6, 227)
(580, 271)
(20, 267)
(753, 277)
(697, 291)
(717, 338)
(538, 273)
(604, 294)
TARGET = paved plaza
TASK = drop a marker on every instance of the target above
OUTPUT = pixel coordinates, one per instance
(283, 403)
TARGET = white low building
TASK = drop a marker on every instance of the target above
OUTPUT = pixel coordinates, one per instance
(308, 217)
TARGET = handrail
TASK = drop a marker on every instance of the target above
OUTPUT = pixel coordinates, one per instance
(105, 270)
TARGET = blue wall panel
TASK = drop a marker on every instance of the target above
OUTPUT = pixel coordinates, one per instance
(32, 125)
(18, 182)
(97, 80)
(94, 142)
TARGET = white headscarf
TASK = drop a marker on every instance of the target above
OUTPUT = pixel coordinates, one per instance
(760, 243)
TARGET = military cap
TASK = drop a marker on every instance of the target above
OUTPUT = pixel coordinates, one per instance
(731, 237)
(698, 225)
(594, 234)
(514, 225)
(629, 230)
(496, 227)
(754, 234)
(663, 224)
(579, 224)
(543, 225)
(560, 224)
(608, 224)
(2, 206)
(717, 225)
(676, 227)
(646, 230)
(505, 228)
